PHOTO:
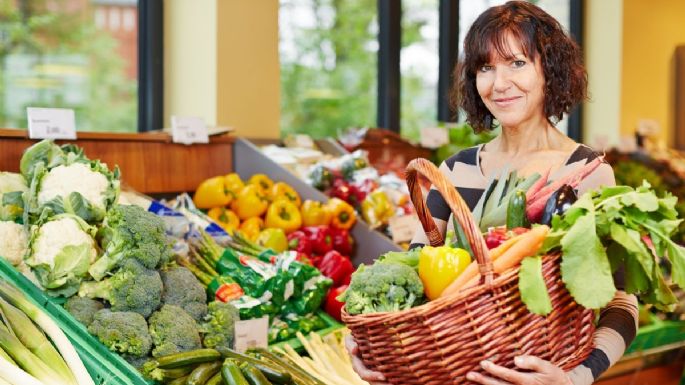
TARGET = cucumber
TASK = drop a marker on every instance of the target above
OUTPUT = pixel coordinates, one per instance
(203, 373)
(192, 357)
(231, 374)
(253, 375)
(217, 379)
(272, 372)
(516, 211)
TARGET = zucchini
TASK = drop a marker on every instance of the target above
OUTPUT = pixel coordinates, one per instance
(253, 375)
(203, 373)
(192, 357)
(272, 372)
(179, 381)
(516, 211)
(217, 379)
(172, 374)
(231, 374)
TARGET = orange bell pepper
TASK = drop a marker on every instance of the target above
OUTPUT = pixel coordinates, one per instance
(342, 213)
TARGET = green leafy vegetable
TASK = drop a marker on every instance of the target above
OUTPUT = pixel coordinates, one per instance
(532, 286)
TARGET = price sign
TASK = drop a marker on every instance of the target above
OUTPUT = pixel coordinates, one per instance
(403, 228)
(188, 130)
(434, 137)
(51, 123)
(251, 334)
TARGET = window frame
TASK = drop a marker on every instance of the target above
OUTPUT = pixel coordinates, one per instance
(150, 65)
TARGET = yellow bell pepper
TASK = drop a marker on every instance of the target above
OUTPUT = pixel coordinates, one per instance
(343, 215)
(377, 209)
(225, 218)
(251, 228)
(283, 214)
(315, 213)
(282, 190)
(233, 184)
(273, 239)
(263, 183)
(249, 203)
(212, 193)
(439, 266)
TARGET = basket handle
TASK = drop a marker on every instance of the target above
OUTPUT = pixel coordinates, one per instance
(459, 209)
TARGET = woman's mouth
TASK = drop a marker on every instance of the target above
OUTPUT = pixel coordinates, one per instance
(504, 102)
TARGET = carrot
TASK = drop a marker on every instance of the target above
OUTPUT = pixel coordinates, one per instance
(527, 246)
(538, 185)
(537, 204)
(471, 270)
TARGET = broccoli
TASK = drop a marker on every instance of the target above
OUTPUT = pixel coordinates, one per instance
(182, 289)
(132, 288)
(381, 287)
(83, 309)
(173, 331)
(130, 232)
(219, 324)
(122, 332)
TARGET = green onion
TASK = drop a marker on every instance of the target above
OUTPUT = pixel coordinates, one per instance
(26, 360)
(15, 376)
(34, 339)
(16, 298)
(6, 356)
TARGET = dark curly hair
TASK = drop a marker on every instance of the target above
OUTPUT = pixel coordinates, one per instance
(539, 34)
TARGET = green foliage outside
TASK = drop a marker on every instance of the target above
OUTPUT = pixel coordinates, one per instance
(72, 60)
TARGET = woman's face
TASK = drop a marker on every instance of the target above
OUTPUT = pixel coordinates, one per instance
(512, 88)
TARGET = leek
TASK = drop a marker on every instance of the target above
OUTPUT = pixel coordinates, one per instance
(27, 360)
(15, 376)
(16, 298)
(34, 339)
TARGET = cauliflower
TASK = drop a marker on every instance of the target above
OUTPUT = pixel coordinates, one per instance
(13, 242)
(78, 177)
(60, 253)
(12, 187)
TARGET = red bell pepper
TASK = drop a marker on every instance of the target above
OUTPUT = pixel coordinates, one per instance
(334, 307)
(336, 267)
(320, 238)
(304, 258)
(298, 241)
(342, 241)
(342, 190)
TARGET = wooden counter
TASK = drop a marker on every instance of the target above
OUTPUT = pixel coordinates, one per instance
(149, 162)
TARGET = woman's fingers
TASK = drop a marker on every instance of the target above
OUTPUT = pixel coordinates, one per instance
(364, 372)
(351, 345)
(509, 375)
(484, 380)
(533, 363)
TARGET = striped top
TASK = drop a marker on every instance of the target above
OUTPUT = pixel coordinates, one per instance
(617, 321)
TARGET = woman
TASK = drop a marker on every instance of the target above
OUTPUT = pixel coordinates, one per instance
(521, 69)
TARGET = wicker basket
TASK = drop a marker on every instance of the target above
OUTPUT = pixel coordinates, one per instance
(439, 342)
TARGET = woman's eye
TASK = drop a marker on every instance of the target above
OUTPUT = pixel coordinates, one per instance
(519, 63)
(485, 68)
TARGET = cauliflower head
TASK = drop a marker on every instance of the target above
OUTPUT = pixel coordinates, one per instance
(13, 242)
(78, 177)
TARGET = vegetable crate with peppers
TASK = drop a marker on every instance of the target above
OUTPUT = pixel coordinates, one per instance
(538, 233)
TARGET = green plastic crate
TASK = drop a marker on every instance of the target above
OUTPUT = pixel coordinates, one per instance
(104, 366)
(657, 334)
(295, 343)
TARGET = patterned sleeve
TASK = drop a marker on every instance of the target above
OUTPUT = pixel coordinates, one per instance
(618, 321)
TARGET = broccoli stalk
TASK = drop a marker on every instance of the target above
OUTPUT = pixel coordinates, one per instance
(130, 232)
(132, 288)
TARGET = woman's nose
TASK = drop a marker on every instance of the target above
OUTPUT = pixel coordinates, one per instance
(502, 80)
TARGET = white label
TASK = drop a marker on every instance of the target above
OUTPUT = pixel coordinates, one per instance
(188, 130)
(51, 123)
(403, 228)
(251, 334)
(434, 137)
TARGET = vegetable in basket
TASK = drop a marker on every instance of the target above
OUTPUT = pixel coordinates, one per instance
(439, 267)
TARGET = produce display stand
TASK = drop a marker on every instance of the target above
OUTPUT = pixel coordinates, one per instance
(104, 366)
(248, 160)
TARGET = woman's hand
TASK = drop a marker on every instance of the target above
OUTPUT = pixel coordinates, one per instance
(373, 378)
(538, 372)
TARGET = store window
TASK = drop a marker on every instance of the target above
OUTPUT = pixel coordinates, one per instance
(329, 54)
(419, 66)
(78, 54)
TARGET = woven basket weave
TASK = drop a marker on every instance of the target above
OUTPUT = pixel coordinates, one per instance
(439, 342)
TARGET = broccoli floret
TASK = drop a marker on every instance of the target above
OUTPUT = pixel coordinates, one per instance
(384, 286)
(173, 331)
(181, 288)
(136, 362)
(130, 232)
(132, 288)
(122, 332)
(219, 324)
(83, 309)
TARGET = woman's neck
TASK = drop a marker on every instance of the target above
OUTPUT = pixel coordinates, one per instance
(527, 138)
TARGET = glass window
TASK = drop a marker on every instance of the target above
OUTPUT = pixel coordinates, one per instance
(469, 10)
(78, 54)
(328, 53)
(419, 63)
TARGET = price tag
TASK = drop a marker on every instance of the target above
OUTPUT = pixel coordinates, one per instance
(251, 334)
(403, 228)
(51, 123)
(434, 137)
(188, 130)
